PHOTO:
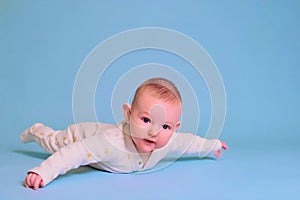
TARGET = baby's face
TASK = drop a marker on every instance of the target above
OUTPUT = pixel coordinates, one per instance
(152, 122)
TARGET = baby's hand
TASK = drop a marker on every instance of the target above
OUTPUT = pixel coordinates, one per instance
(219, 152)
(34, 181)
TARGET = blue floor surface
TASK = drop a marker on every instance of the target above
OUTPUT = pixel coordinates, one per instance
(239, 174)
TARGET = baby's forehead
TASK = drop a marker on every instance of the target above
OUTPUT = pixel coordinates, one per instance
(147, 102)
(166, 96)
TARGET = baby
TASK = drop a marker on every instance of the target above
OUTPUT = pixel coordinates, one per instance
(146, 136)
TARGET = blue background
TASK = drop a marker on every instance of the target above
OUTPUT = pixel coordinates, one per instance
(255, 45)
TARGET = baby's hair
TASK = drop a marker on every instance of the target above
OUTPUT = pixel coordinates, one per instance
(160, 88)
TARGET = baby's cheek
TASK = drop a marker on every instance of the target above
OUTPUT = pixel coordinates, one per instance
(163, 140)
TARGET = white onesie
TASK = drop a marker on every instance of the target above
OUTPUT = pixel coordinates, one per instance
(105, 147)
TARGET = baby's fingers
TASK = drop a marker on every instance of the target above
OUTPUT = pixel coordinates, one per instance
(224, 146)
(27, 180)
(34, 181)
(218, 153)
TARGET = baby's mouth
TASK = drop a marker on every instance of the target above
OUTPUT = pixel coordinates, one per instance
(149, 141)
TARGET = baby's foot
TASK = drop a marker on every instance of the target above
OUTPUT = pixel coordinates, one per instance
(28, 136)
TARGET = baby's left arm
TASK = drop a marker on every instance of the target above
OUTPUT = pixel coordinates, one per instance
(189, 143)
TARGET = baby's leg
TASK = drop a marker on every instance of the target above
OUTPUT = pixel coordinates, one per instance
(49, 139)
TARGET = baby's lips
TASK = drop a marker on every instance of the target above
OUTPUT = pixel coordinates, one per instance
(149, 140)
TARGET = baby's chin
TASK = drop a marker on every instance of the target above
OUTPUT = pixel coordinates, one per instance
(147, 146)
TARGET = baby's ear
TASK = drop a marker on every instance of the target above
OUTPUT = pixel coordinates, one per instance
(126, 111)
(177, 126)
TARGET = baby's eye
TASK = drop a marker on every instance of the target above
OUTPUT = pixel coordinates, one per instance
(165, 126)
(146, 120)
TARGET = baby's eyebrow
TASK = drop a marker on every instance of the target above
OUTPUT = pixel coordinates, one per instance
(169, 123)
(144, 113)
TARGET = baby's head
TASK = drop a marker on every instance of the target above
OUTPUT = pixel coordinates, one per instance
(159, 88)
(154, 114)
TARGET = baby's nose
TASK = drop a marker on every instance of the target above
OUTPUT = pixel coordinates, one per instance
(154, 130)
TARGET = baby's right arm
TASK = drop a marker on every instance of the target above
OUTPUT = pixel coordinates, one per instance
(84, 152)
(67, 158)
(34, 181)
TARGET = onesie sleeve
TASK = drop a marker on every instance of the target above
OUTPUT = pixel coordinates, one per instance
(189, 143)
(85, 152)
